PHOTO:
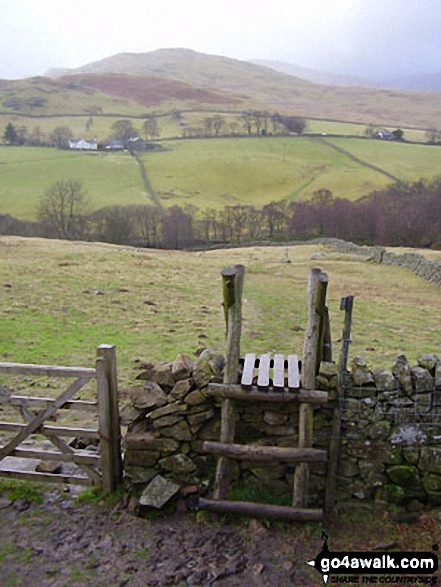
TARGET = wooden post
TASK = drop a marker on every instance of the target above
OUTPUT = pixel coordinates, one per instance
(108, 417)
(317, 286)
(334, 445)
(232, 285)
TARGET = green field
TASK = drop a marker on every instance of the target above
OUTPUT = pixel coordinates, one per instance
(26, 172)
(212, 173)
(51, 312)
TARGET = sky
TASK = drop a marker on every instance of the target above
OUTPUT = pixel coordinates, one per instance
(374, 39)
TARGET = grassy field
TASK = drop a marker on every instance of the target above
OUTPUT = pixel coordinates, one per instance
(211, 173)
(60, 300)
(26, 172)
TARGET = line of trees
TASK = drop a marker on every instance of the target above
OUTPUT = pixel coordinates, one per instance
(400, 215)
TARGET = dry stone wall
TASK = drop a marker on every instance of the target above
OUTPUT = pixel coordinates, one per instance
(391, 430)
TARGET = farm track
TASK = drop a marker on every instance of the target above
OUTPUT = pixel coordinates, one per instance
(359, 161)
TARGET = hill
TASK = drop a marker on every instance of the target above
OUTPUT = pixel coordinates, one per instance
(237, 85)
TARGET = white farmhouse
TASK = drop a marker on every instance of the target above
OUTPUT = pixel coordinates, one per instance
(83, 145)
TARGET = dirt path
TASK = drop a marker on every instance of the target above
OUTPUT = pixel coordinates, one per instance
(59, 543)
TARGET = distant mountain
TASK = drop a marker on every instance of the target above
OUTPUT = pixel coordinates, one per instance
(167, 79)
(314, 75)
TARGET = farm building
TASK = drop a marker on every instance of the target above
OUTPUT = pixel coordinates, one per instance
(83, 145)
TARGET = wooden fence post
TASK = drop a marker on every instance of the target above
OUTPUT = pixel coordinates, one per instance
(317, 286)
(334, 445)
(232, 285)
(109, 427)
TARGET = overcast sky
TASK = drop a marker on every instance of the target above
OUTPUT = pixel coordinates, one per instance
(370, 38)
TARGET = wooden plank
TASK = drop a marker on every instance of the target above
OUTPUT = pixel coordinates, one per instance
(245, 508)
(248, 371)
(44, 402)
(265, 453)
(53, 430)
(263, 379)
(47, 455)
(279, 372)
(108, 417)
(42, 416)
(46, 370)
(45, 477)
(293, 373)
(235, 392)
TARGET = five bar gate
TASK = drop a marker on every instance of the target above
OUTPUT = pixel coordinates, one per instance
(104, 468)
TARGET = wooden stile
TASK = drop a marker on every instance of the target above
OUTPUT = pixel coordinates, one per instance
(279, 372)
(263, 380)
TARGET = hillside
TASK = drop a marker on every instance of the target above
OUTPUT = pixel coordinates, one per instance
(231, 84)
(154, 304)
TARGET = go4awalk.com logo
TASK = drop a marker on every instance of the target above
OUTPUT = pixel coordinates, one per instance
(376, 568)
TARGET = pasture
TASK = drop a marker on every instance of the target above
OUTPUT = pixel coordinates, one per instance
(212, 173)
(61, 299)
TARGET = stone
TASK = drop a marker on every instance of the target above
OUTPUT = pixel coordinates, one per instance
(405, 476)
(178, 464)
(179, 431)
(128, 414)
(208, 365)
(408, 435)
(139, 474)
(274, 418)
(149, 441)
(148, 395)
(401, 371)
(200, 417)
(422, 379)
(328, 369)
(171, 408)
(141, 458)
(385, 381)
(438, 376)
(428, 361)
(196, 397)
(391, 494)
(52, 467)
(432, 482)
(181, 389)
(182, 367)
(411, 454)
(163, 375)
(379, 430)
(166, 421)
(158, 492)
(348, 468)
(361, 374)
(430, 459)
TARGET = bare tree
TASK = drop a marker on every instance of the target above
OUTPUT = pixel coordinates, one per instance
(64, 206)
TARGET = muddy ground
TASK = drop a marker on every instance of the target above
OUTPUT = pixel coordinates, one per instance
(60, 543)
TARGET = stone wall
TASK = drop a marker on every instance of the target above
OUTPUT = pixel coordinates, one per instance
(391, 430)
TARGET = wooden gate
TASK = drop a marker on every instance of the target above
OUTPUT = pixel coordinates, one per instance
(104, 468)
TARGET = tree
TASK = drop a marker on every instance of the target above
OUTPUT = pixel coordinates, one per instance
(64, 206)
(218, 122)
(60, 137)
(123, 130)
(10, 135)
(150, 128)
(398, 134)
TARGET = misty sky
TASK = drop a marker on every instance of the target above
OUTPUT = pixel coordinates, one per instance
(370, 38)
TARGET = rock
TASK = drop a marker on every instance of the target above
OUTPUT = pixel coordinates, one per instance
(438, 376)
(181, 389)
(52, 467)
(196, 397)
(432, 482)
(401, 371)
(328, 369)
(428, 361)
(166, 421)
(385, 381)
(179, 431)
(430, 459)
(5, 503)
(379, 430)
(405, 476)
(21, 505)
(182, 367)
(179, 464)
(128, 414)
(274, 418)
(139, 474)
(208, 365)
(158, 492)
(361, 375)
(148, 395)
(200, 417)
(422, 379)
(171, 408)
(141, 458)
(408, 435)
